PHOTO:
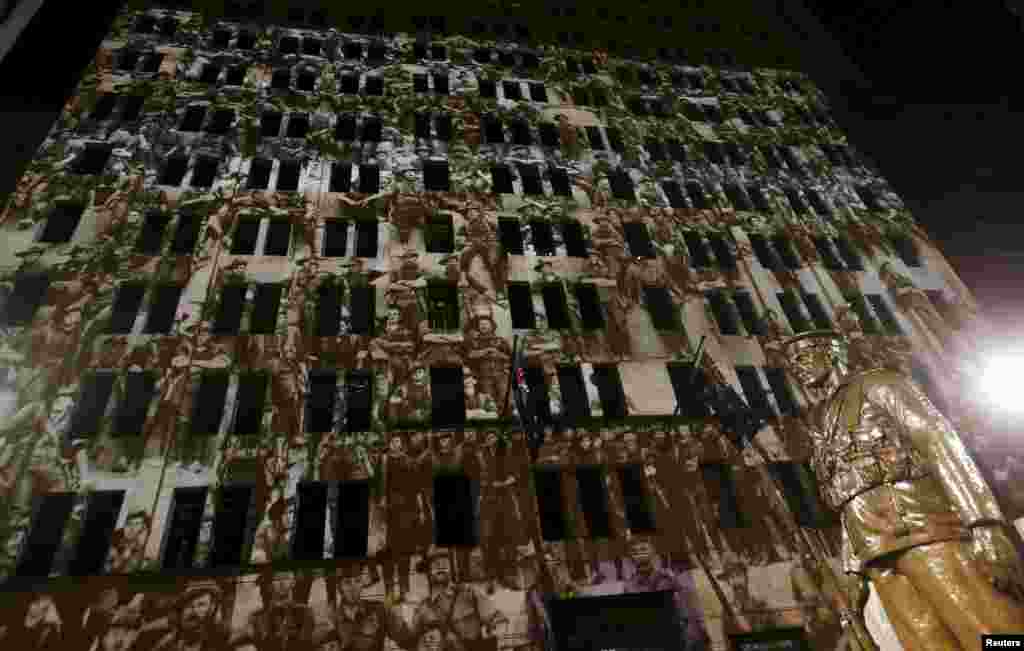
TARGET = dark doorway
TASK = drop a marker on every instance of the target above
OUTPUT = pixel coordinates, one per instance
(787, 639)
(627, 622)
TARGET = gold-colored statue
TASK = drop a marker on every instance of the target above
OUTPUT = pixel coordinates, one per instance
(919, 521)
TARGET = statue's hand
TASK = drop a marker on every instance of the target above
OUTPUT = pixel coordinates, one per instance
(997, 559)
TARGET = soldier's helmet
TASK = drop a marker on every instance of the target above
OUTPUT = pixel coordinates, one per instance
(198, 589)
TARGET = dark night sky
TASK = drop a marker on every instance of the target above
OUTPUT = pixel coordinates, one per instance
(936, 110)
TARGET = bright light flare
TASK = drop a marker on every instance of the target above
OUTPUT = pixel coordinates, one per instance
(1001, 380)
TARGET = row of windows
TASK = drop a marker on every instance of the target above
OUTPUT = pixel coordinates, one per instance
(347, 505)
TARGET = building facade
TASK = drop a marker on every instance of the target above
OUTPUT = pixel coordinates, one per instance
(262, 288)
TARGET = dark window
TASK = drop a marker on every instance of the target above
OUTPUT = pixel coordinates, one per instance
(208, 403)
(785, 250)
(754, 391)
(93, 159)
(609, 389)
(766, 256)
(263, 320)
(548, 484)
(529, 174)
(819, 205)
(511, 235)
(737, 155)
(828, 256)
(163, 308)
(448, 400)
(92, 404)
(128, 59)
(560, 181)
(455, 506)
(443, 126)
(443, 306)
(259, 174)
(542, 236)
(362, 309)
(104, 106)
(246, 233)
(353, 50)
(311, 46)
(440, 236)
(662, 311)
(520, 133)
(298, 126)
(572, 237)
(906, 249)
(220, 124)
(639, 516)
(555, 306)
(145, 24)
(131, 107)
(699, 257)
(270, 124)
(345, 129)
(638, 239)
(185, 234)
(282, 80)
(310, 521)
(714, 152)
(615, 139)
(593, 502)
(549, 135)
(352, 520)
(492, 130)
(745, 306)
(306, 80)
(885, 315)
(800, 493)
(817, 310)
(186, 521)
(204, 172)
(126, 307)
(575, 403)
(588, 66)
(419, 83)
(487, 88)
(435, 175)
(374, 85)
(521, 305)
(328, 311)
(512, 90)
(780, 388)
(737, 197)
(538, 93)
(93, 544)
(335, 238)
(209, 75)
(139, 389)
(501, 179)
(723, 251)
(590, 306)
(795, 316)
(61, 223)
(373, 129)
(422, 125)
(358, 401)
(697, 196)
(289, 45)
(323, 389)
(655, 149)
(674, 194)
(45, 535)
(594, 137)
(621, 184)
(229, 313)
(849, 253)
(377, 52)
(366, 237)
(350, 84)
(723, 313)
(438, 52)
(677, 150)
(369, 181)
(251, 397)
(341, 177)
(246, 41)
(719, 480)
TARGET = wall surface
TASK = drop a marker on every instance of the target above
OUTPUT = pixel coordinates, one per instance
(724, 581)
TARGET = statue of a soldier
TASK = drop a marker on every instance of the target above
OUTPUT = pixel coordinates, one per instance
(919, 522)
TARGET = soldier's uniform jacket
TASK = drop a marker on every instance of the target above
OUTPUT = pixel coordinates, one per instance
(883, 455)
(690, 620)
(461, 609)
(288, 626)
(366, 629)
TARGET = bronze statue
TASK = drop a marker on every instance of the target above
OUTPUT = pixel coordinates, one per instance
(919, 522)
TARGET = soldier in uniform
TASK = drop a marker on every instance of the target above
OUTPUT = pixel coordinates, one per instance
(469, 614)
(361, 624)
(407, 477)
(282, 623)
(919, 521)
(128, 546)
(488, 356)
(198, 625)
(647, 577)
